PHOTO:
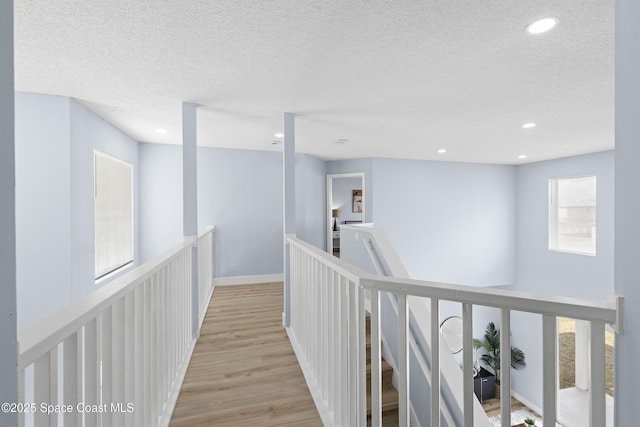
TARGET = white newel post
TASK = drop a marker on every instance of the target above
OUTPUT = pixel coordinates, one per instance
(190, 201)
(289, 209)
(8, 351)
(627, 206)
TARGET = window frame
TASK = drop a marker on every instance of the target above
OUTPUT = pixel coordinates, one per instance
(554, 221)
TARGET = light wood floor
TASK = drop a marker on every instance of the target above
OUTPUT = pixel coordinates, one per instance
(492, 406)
(243, 371)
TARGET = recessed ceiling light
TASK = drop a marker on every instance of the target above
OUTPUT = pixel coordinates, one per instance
(542, 25)
(161, 131)
(279, 135)
(522, 156)
(529, 125)
(442, 151)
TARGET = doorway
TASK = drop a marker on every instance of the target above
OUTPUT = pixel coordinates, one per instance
(345, 205)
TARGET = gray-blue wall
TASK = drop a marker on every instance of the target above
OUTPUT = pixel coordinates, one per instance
(556, 273)
(90, 132)
(240, 193)
(449, 222)
(311, 200)
(160, 199)
(43, 205)
(55, 140)
(560, 273)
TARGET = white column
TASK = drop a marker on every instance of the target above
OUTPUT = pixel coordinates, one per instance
(8, 351)
(190, 200)
(289, 208)
(627, 207)
(582, 354)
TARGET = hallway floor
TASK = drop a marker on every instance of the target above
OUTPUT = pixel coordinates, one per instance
(243, 371)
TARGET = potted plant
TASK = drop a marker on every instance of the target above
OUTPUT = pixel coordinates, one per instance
(491, 347)
(529, 422)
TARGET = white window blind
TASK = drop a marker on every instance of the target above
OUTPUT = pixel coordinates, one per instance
(113, 206)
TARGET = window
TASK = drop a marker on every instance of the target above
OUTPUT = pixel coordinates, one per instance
(113, 207)
(572, 215)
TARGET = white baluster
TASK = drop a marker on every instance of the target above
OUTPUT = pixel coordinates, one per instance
(129, 356)
(163, 347)
(42, 387)
(353, 355)
(403, 359)
(91, 371)
(505, 367)
(148, 356)
(597, 402)
(331, 346)
(344, 349)
(139, 356)
(154, 356)
(107, 372)
(71, 385)
(117, 360)
(324, 333)
(467, 364)
(549, 375)
(376, 369)
(435, 362)
(362, 356)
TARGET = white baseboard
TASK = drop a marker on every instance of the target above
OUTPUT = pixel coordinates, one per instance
(248, 280)
(526, 402)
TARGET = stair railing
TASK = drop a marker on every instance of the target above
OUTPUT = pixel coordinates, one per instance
(117, 356)
(328, 335)
(387, 263)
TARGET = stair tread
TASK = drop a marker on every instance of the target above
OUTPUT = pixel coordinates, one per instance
(389, 399)
(384, 366)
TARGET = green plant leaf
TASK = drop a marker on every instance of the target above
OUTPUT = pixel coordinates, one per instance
(491, 347)
(517, 358)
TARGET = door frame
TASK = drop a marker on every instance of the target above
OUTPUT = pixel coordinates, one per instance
(329, 218)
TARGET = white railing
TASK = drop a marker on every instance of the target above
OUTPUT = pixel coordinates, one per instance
(385, 262)
(117, 356)
(205, 270)
(328, 334)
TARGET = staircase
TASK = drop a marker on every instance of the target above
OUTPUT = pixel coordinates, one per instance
(390, 415)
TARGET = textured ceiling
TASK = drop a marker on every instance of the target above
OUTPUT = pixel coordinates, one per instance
(395, 78)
